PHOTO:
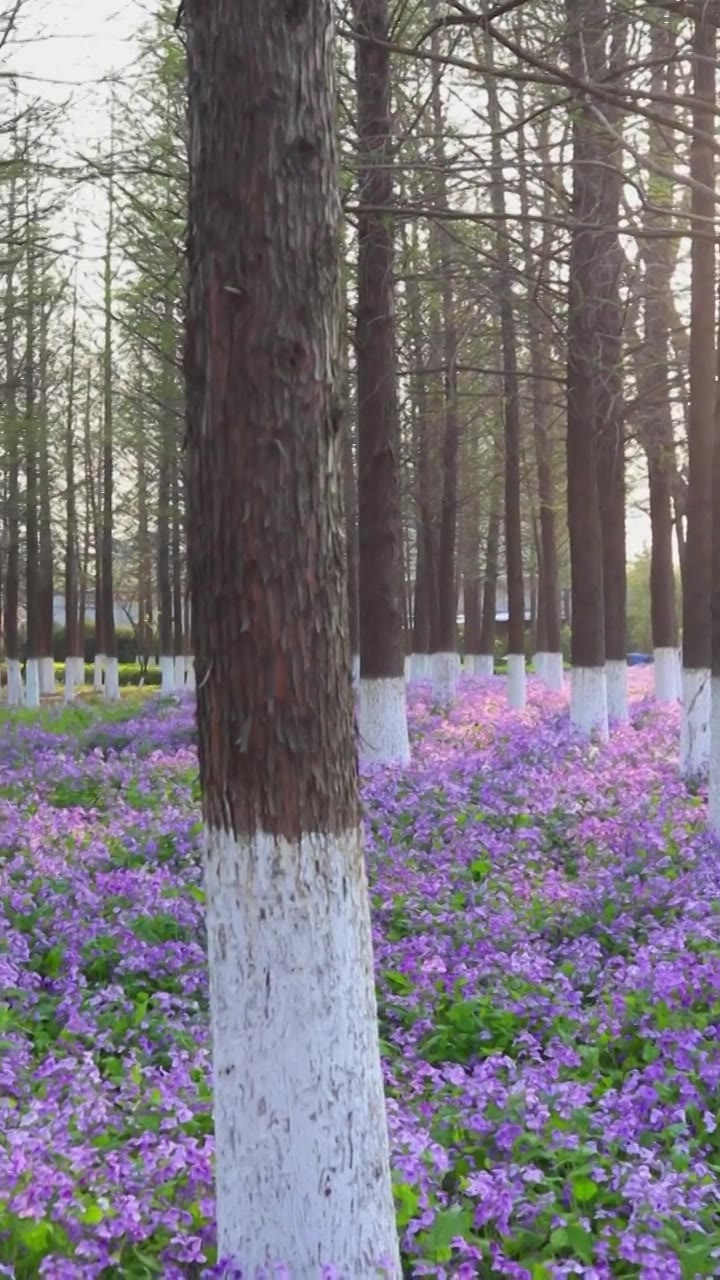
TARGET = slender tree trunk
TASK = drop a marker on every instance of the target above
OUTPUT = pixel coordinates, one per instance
(426, 609)
(109, 641)
(609, 398)
(511, 408)
(145, 603)
(586, 36)
(695, 737)
(486, 659)
(32, 578)
(177, 590)
(653, 383)
(74, 661)
(470, 544)
(164, 586)
(46, 586)
(548, 657)
(446, 660)
(291, 972)
(383, 719)
(15, 692)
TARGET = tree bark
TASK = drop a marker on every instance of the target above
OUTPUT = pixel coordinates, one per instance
(109, 641)
(446, 560)
(540, 341)
(302, 1167)
(609, 398)
(381, 641)
(383, 723)
(72, 632)
(586, 35)
(12, 447)
(46, 586)
(511, 395)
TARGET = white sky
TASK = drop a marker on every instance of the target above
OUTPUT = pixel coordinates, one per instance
(70, 47)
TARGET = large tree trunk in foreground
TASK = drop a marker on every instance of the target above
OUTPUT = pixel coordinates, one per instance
(695, 737)
(302, 1163)
(588, 709)
(383, 718)
(714, 787)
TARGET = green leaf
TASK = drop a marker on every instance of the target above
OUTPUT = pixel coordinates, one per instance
(584, 1189)
(581, 1242)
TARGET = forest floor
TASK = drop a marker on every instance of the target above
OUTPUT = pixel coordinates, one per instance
(547, 935)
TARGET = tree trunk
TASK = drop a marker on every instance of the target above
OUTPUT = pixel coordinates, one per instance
(32, 581)
(609, 398)
(351, 534)
(511, 407)
(46, 586)
(548, 642)
(653, 383)
(12, 450)
(446, 660)
(109, 642)
(302, 1166)
(145, 601)
(486, 661)
(383, 719)
(586, 35)
(177, 590)
(694, 748)
(74, 661)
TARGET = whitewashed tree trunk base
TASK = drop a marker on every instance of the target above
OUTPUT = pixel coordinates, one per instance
(32, 682)
(445, 674)
(668, 675)
(179, 665)
(79, 668)
(408, 668)
(484, 665)
(297, 1079)
(15, 691)
(714, 789)
(47, 676)
(588, 701)
(167, 673)
(112, 680)
(355, 668)
(540, 664)
(516, 682)
(98, 672)
(190, 682)
(555, 672)
(420, 666)
(695, 726)
(617, 694)
(70, 684)
(382, 721)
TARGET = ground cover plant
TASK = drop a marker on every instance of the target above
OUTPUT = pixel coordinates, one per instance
(547, 938)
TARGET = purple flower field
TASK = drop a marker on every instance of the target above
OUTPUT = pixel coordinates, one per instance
(547, 934)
